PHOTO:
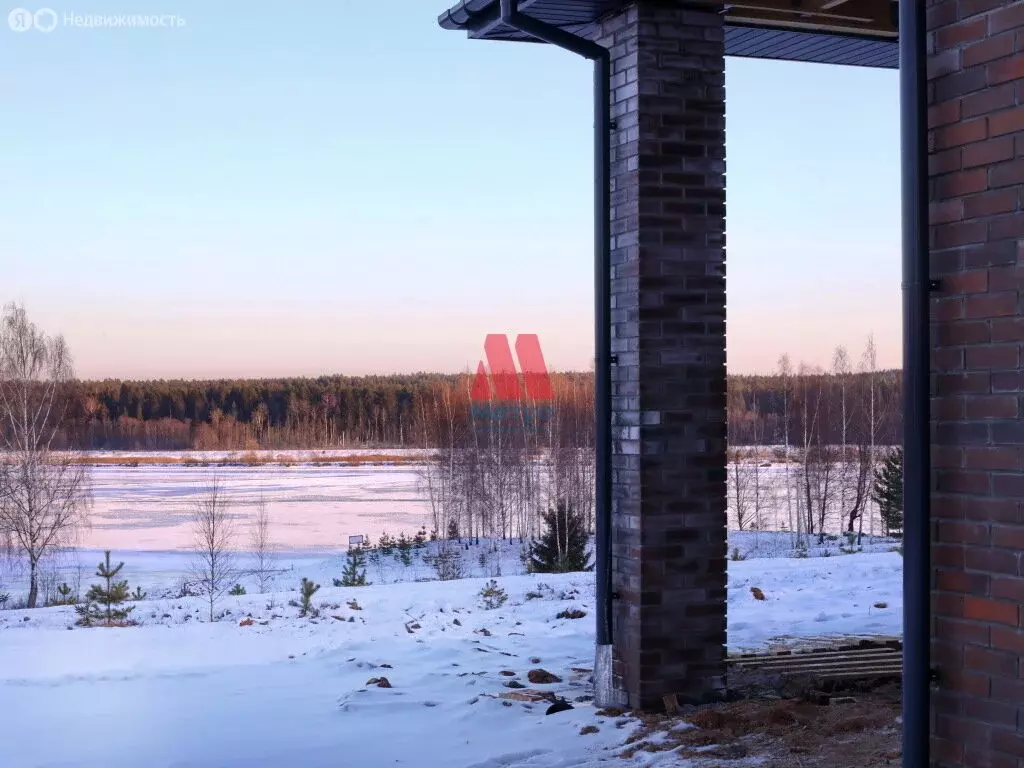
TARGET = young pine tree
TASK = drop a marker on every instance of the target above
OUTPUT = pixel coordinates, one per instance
(354, 573)
(308, 589)
(888, 492)
(562, 548)
(65, 595)
(103, 602)
(404, 547)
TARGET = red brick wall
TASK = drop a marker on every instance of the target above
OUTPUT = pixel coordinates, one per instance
(976, 145)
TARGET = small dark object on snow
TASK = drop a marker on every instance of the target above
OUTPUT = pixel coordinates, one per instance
(380, 682)
(571, 613)
(542, 677)
(514, 684)
(535, 660)
(386, 666)
(457, 623)
(507, 673)
(559, 706)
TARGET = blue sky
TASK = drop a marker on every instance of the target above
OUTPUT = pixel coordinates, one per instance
(344, 187)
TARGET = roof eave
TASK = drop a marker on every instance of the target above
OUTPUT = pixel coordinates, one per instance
(461, 16)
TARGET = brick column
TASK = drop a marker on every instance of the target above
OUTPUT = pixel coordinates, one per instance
(668, 320)
(976, 140)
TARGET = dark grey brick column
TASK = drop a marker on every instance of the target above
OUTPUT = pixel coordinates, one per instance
(668, 318)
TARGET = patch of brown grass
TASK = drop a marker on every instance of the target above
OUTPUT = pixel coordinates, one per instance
(861, 733)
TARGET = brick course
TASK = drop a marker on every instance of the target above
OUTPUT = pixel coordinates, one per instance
(976, 166)
(668, 321)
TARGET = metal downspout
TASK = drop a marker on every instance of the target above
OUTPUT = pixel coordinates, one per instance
(916, 390)
(511, 16)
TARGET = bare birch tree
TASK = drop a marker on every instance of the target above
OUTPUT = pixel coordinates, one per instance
(44, 494)
(869, 363)
(261, 545)
(214, 568)
(785, 374)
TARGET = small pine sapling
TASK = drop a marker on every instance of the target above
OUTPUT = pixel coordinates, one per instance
(492, 596)
(138, 594)
(376, 560)
(103, 602)
(354, 573)
(386, 545)
(307, 591)
(404, 547)
(237, 591)
(65, 596)
(419, 541)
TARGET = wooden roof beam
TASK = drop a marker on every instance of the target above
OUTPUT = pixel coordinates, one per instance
(860, 17)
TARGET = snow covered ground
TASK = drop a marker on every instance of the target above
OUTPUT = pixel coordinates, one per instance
(290, 691)
(263, 686)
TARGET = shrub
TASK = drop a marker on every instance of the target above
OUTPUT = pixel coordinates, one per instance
(237, 591)
(138, 594)
(492, 596)
(446, 562)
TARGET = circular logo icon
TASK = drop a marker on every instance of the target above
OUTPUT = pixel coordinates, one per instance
(20, 20)
(45, 20)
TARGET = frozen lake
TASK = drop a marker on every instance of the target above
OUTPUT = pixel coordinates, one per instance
(316, 507)
(311, 507)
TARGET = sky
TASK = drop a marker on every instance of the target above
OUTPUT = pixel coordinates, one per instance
(343, 187)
